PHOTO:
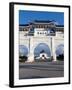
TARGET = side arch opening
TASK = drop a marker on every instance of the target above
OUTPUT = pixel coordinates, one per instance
(60, 52)
(23, 53)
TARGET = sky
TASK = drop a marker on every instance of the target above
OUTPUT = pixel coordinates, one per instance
(28, 16)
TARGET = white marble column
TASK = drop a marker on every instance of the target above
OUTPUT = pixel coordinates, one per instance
(31, 52)
(53, 50)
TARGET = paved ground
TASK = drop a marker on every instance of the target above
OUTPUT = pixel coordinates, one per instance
(41, 70)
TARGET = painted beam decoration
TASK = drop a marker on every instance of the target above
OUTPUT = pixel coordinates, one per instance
(39, 44)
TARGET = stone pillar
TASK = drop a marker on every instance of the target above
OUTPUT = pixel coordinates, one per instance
(53, 50)
(31, 52)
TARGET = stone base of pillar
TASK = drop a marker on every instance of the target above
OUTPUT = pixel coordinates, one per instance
(30, 58)
(53, 58)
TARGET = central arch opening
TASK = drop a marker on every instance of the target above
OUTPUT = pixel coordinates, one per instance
(42, 52)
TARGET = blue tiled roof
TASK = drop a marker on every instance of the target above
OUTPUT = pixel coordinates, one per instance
(43, 21)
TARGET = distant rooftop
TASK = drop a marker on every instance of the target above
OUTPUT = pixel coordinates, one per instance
(59, 25)
(24, 25)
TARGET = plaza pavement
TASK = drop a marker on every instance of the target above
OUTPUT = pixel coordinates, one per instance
(41, 70)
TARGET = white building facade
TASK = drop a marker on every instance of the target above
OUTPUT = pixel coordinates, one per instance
(45, 32)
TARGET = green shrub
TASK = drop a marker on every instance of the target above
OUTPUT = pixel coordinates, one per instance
(23, 58)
